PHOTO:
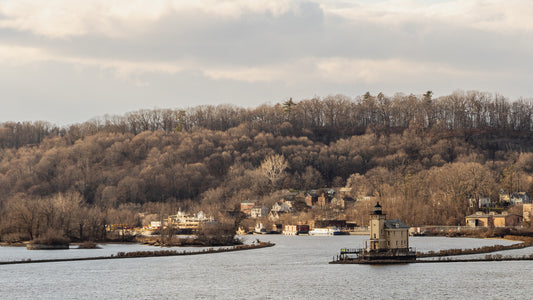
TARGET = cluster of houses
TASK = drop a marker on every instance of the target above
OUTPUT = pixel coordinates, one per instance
(339, 200)
(326, 199)
(505, 199)
(503, 219)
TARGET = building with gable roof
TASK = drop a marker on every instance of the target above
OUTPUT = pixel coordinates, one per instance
(388, 243)
(387, 234)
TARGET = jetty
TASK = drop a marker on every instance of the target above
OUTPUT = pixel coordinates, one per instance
(138, 254)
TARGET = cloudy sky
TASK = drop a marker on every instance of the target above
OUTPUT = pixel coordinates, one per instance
(68, 61)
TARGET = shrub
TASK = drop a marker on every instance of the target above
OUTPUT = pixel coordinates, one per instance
(52, 238)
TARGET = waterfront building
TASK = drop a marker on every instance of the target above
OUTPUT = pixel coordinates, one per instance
(185, 221)
(493, 219)
(296, 229)
(388, 242)
(387, 234)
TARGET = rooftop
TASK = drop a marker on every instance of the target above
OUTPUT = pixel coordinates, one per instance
(394, 224)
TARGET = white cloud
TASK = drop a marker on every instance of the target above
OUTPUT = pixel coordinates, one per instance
(19, 55)
(345, 70)
(487, 15)
(16, 56)
(340, 70)
(65, 18)
(259, 49)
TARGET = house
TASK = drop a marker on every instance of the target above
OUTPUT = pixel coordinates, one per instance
(311, 198)
(296, 229)
(289, 203)
(182, 220)
(322, 201)
(493, 219)
(278, 209)
(504, 197)
(343, 202)
(386, 234)
(246, 207)
(515, 198)
(479, 202)
(281, 207)
(259, 211)
(273, 215)
(520, 198)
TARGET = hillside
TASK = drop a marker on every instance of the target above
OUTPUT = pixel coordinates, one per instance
(422, 157)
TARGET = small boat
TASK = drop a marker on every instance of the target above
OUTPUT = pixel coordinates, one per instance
(325, 231)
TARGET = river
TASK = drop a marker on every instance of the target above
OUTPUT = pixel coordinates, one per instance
(296, 268)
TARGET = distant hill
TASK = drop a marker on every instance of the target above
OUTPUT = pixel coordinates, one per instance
(425, 156)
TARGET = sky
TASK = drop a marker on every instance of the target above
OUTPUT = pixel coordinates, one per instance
(67, 62)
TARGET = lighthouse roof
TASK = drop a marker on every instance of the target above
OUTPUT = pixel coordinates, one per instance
(395, 224)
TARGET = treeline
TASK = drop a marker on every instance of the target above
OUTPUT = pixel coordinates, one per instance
(424, 157)
(322, 120)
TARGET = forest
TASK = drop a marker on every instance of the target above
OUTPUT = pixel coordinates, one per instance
(422, 156)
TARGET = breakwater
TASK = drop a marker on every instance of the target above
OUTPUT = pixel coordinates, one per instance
(525, 242)
(158, 253)
(439, 260)
(497, 257)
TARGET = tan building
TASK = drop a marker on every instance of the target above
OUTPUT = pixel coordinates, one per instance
(388, 243)
(492, 219)
(527, 212)
(387, 234)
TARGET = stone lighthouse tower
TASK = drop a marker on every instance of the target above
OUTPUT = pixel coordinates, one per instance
(377, 229)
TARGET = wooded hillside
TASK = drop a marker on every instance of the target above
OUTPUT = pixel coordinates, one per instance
(424, 157)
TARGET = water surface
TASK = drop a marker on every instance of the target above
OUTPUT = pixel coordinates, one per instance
(296, 268)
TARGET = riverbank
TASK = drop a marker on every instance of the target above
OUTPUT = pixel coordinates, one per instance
(137, 254)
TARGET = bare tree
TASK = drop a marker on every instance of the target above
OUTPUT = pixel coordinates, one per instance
(273, 168)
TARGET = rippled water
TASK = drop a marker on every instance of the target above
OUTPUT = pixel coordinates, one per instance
(296, 268)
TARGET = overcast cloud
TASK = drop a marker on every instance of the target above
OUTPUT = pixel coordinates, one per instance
(69, 61)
